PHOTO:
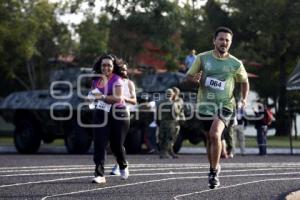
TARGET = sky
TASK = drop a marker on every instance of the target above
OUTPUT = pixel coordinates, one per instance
(78, 17)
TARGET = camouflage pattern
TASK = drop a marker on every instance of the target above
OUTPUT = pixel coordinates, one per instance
(160, 82)
(167, 125)
(38, 103)
(166, 134)
(50, 113)
(154, 85)
(179, 114)
(34, 105)
(42, 99)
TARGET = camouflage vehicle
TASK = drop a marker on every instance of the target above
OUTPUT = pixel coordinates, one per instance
(153, 88)
(61, 112)
(45, 115)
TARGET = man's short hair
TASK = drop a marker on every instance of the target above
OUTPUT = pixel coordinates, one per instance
(169, 91)
(223, 29)
(176, 89)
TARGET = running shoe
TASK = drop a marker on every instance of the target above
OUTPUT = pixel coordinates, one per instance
(115, 170)
(213, 179)
(99, 179)
(164, 154)
(218, 170)
(124, 173)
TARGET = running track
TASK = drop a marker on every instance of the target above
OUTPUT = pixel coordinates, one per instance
(62, 176)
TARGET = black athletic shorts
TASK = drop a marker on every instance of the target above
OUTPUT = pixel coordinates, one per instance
(224, 114)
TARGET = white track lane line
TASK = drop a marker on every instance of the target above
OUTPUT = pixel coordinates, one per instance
(44, 181)
(269, 164)
(107, 168)
(42, 167)
(119, 186)
(143, 174)
(235, 185)
(175, 178)
(131, 167)
(137, 170)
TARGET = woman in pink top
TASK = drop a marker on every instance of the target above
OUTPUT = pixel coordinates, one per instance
(110, 115)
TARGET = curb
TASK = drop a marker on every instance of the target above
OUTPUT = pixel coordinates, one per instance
(249, 151)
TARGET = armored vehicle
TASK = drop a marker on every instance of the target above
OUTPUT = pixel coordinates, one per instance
(45, 115)
(62, 112)
(153, 89)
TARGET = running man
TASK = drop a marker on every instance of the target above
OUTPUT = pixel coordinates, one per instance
(215, 73)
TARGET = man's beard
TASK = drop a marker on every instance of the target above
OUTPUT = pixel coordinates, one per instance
(219, 49)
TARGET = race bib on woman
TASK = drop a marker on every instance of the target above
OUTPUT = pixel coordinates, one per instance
(103, 106)
(215, 83)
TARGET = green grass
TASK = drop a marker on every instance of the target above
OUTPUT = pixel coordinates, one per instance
(272, 141)
(6, 141)
(275, 141)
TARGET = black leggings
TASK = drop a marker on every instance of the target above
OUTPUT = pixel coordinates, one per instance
(114, 130)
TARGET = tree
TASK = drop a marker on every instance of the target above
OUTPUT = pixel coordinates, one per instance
(192, 28)
(213, 17)
(145, 20)
(29, 36)
(266, 31)
(94, 35)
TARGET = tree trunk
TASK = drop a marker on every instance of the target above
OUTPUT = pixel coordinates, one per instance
(283, 117)
(283, 120)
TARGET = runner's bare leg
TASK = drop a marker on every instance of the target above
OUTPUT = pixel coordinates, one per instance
(215, 144)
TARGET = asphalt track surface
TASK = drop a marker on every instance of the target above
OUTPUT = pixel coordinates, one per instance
(63, 176)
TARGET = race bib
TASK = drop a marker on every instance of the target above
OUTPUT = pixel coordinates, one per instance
(215, 83)
(103, 106)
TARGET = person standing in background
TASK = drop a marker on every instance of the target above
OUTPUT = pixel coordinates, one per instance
(264, 116)
(178, 109)
(152, 132)
(167, 125)
(240, 127)
(189, 59)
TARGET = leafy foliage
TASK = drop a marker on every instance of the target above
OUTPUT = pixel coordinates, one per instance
(265, 31)
(29, 36)
(94, 36)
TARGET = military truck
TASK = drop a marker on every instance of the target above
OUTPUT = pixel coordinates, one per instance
(45, 115)
(62, 112)
(153, 87)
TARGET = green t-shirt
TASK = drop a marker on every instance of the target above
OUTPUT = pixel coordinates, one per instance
(217, 83)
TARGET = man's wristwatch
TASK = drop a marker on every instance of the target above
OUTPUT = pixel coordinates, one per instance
(103, 97)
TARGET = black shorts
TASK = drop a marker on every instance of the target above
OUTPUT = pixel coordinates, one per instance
(224, 114)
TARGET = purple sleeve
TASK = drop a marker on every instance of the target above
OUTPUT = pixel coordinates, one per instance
(119, 82)
(93, 84)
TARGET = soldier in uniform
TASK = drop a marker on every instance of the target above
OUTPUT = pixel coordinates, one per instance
(178, 110)
(167, 125)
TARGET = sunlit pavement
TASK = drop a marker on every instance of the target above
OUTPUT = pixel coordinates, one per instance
(183, 150)
(64, 176)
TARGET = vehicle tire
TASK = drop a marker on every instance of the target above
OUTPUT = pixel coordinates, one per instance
(77, 139)
(178, 142)
(26, 137)
(195, 140)
(133, 141)
(48, 138)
